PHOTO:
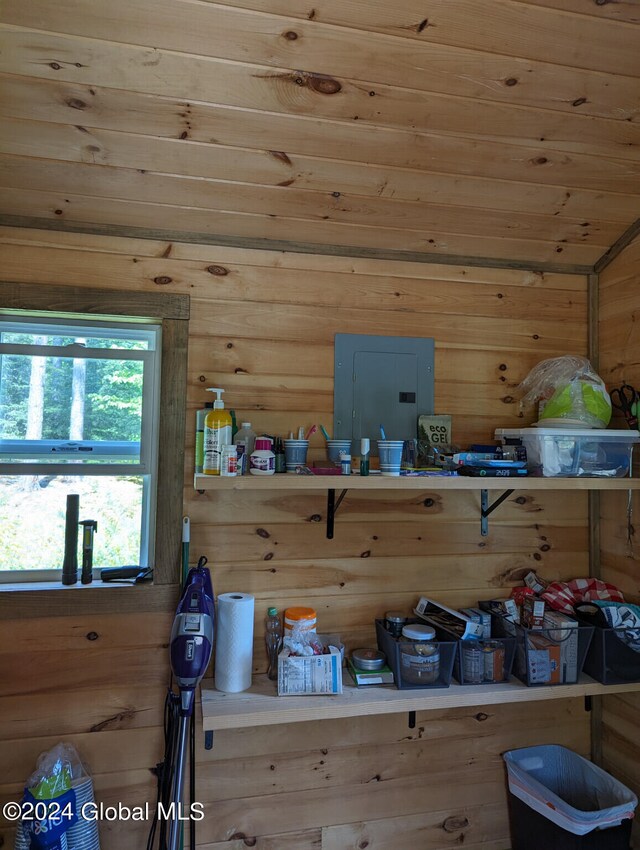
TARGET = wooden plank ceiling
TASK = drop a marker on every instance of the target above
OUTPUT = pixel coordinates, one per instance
(469, 128)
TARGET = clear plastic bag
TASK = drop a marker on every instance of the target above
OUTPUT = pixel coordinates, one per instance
(568, 790)
(570, 391)
(55, 772)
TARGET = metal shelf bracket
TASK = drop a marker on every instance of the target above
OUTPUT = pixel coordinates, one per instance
(486, 508)
(332, 508)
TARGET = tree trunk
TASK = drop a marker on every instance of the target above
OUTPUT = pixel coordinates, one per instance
(78, 390)
(35, 404)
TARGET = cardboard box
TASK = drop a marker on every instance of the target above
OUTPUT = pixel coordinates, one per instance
(312, 674)
(440, 616)
(532, 612)
(544, 664)
(564, 631)
(370, 677)
(478, 616)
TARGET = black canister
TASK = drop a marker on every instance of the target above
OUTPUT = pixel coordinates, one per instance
(394, 622)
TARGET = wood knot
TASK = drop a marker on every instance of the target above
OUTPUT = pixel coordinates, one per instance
(229, 345)
(76, 103)
(521, 500)
(55, 66)
(321, 84)
(366, 553)
(362, 845)
(219, 271)
(92, 635)
(545, 547)
(481, 717)
(541, 160)
(202, 378)
(162, 280)
(290, 35)
(579, 101)
(262, 532)
(315, 518)
(429, 502)
(508, 399)
(268, 556)
(512, 81)
(502, 367)
(57, 212)
(454, 824)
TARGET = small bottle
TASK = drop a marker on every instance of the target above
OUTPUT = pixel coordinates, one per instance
(281, 465)
(345, 464)
(365, 447)
(273, 640)
(263, 460)
(217, 433)
(245, 440)
(229, 462)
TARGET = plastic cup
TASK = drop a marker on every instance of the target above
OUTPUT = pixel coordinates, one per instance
(390, 453)
(295, 454)
(334, 447)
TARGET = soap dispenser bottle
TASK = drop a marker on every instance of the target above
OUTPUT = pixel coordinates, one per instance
(217, 433)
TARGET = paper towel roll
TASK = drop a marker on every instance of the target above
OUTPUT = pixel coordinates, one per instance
(234, 642)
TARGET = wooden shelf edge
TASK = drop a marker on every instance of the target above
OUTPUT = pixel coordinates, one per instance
(260, 705)
(378, 482)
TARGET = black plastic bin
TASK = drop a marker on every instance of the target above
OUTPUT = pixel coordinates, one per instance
(559, 800)
(531, 831)
(392, 648)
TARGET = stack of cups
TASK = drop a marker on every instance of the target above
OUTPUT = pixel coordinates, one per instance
(390, 452)
(337, 447)
(295, 454)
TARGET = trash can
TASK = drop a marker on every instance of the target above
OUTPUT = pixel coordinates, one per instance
(559, 800)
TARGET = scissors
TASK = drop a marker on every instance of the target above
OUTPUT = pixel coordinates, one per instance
(627, 400)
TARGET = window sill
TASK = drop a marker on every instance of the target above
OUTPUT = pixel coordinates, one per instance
(58, 586)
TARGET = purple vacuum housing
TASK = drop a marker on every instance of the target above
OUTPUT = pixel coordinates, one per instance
(192, 636)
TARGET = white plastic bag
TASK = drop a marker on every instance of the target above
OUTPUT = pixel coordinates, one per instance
(570, 391)
(568, 790)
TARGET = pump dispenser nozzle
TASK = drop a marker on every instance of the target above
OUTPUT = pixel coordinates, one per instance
(218, 404)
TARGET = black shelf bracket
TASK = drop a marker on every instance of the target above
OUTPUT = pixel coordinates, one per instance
(332, 508)
(486, 508)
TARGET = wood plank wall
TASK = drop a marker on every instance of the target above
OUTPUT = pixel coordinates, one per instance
(620, 549)
(262, 327)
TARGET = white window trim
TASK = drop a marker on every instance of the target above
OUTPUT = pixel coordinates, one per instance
(109, 451)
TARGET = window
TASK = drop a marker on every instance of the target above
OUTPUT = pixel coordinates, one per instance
(79, 410)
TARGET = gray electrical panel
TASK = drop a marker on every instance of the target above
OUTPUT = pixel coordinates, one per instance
(381, 380)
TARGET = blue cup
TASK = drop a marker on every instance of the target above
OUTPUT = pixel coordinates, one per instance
(295, 454)
(390, 453)
(335, 447)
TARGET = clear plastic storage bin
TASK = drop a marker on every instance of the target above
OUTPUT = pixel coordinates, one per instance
(574, 452)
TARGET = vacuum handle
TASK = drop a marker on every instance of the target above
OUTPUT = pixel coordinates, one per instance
(70, 563)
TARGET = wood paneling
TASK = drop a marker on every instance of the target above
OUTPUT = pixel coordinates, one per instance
(263, 323)
(483, 130)
(620, 552)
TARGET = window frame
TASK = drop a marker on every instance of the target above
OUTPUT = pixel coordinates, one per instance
(171, 311)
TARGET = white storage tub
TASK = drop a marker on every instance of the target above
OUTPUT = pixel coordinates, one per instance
(574, 452)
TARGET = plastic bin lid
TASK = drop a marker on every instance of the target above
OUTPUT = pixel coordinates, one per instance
(590, 433)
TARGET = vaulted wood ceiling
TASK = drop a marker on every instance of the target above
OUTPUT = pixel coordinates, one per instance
(480, 128)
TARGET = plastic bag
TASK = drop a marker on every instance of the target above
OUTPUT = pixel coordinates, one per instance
(568, 790)
(56, 795)
(571, 390)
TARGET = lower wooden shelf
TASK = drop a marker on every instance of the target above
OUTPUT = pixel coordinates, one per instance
(261, 706)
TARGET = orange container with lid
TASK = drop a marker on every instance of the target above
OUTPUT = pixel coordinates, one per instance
(300, 618)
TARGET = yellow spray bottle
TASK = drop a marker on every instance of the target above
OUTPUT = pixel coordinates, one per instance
(217, 433)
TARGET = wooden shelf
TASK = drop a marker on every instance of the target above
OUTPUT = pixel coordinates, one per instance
(261, 706)
(378, 482)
